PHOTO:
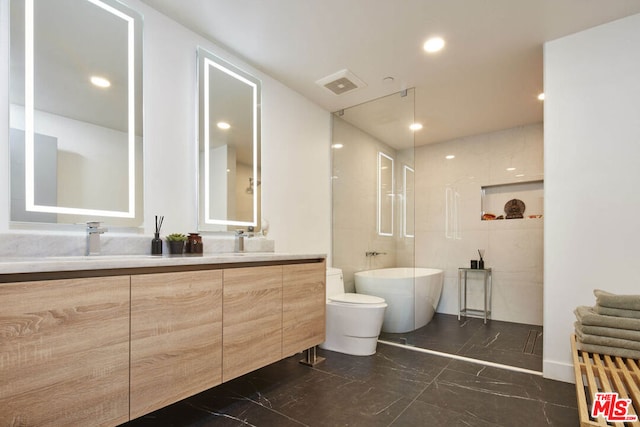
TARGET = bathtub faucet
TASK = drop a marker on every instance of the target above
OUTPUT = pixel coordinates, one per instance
(374, 253)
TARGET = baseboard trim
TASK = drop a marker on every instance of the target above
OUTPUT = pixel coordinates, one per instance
(559, 371)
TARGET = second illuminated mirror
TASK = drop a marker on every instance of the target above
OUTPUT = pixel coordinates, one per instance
(385, 194)
(228, 145)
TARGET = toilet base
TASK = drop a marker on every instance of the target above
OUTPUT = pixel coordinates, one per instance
(353, 346)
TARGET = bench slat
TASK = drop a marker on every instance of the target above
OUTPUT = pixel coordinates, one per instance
(604, 373)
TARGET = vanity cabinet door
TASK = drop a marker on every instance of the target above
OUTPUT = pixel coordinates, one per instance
(252, 324)
(176, 337)
(304, 305)
(64, 352)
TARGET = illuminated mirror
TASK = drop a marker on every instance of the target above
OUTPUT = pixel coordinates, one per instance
(228, 145)
(385, 194)
(408, 201)
(76, 112)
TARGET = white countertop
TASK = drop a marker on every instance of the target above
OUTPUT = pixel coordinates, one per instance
(14, 265)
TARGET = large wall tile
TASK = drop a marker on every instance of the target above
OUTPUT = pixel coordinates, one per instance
(449, 237)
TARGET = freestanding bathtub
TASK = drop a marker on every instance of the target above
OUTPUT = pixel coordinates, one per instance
(412, 295)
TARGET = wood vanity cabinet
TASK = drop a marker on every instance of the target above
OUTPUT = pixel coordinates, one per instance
(271, 313)
(252, 323)
(176, 337)
(304, 304)
(64, 352)
(103, 350)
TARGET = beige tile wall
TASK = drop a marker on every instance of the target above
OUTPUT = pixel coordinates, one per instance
(514, 248)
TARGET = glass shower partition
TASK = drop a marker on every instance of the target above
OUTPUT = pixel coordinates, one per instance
(373, 185)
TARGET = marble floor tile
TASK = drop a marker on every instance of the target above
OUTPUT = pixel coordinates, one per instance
(394, 387)
(444, 333)
(497, 401)
(507, 343)
(421, 414)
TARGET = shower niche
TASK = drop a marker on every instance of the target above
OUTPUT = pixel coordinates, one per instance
(521, 200)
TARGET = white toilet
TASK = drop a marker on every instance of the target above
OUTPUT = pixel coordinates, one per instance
(353, 320)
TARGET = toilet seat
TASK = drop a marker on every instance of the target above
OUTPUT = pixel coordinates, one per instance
(357, 299)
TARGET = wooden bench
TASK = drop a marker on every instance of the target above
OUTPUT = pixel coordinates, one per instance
(603, 373)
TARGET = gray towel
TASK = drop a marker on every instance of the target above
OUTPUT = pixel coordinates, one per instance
(612, 351)
(618, 312)
(625, 302)
(607, 341)
(587, 316)
(625, 334)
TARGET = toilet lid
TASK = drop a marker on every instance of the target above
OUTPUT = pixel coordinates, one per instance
(356, 299)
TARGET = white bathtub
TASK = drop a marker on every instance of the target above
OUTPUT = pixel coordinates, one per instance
(412, 295)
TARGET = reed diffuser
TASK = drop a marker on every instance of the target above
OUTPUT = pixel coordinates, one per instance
(481, 261)
(156, 243)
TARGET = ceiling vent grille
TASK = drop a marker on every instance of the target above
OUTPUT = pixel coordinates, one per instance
(341, 82)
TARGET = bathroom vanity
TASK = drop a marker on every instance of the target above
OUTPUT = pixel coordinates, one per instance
(100, 341)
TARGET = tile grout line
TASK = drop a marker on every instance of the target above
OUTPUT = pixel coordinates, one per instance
(530, 342)
(444, 368)
(244, 422)
(463, 358)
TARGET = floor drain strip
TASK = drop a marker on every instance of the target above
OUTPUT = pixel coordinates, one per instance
(463, 358)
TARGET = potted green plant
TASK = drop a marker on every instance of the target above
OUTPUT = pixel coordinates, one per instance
(176, 243)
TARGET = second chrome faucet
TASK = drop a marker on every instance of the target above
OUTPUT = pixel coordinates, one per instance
(374, 253)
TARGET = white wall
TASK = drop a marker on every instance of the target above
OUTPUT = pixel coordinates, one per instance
(449, 229)
(4, 116)
(592, 199)
(296, 186)
(295, 141)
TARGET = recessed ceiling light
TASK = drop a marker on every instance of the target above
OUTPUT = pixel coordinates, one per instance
(434, 44)
(223, 125)
(541, 96)
(100, 81)
(520, 175)
(511, 169)
(450, 156)
(337, 146)
(415, 126)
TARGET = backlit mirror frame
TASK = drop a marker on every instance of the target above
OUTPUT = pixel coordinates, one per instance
(208, 63)
(408, 201)
(133, 22)
(386, 185)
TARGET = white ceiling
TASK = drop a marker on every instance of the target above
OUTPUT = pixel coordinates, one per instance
(487, 77)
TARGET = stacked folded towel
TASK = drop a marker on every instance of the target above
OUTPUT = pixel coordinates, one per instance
(611, 327)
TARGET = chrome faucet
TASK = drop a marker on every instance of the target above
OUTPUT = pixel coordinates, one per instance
(239, 246)
(374, 253)
(93, 237)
